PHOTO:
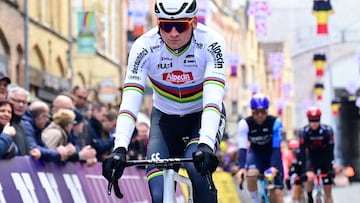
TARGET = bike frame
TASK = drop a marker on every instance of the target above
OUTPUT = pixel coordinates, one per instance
(318, 186)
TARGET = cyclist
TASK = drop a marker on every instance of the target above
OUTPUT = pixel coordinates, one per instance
(294, 180)
(184, 60)
(264, 132)
(317, 152)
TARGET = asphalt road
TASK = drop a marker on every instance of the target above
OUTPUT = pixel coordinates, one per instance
(350, 193)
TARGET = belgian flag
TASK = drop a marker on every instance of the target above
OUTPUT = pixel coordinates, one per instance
(335, 105)
(322, 9)
(319, 61)
(319, 89)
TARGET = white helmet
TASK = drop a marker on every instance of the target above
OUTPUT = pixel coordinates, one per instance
(175, 9)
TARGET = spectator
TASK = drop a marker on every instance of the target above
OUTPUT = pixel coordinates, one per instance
(35, 119)
(62, 101)
(143, 136)
(96, 123)
(84, 153)
(57, 133)
(8, 149)
(78, 131)
(19, 98)
(81, 93)
(109, 125)
(88, 110)
(4, 82)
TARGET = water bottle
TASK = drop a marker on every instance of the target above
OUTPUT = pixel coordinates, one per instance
(269, 179)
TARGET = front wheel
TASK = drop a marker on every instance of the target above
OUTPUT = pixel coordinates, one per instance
(318, 198)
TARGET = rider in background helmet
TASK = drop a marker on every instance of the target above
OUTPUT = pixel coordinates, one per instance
(264, 133)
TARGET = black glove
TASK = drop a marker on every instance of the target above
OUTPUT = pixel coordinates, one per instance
(204, 159)
(115, 161)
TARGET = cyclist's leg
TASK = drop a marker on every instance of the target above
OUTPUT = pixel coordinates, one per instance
(277, 193)
(254, 166)
(200, 185)
(163, 143)
(328, 181)
(309, 186)
(297, 190)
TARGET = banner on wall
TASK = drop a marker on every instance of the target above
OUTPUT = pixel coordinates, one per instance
(137, 12)
(319, 89)
(86, 32)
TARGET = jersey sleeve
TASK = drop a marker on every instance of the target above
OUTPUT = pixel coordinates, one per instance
(133, 90)
(213, 89)
(277, 133)
(243, 131)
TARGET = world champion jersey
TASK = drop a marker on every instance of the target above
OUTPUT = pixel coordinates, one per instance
(189, 81)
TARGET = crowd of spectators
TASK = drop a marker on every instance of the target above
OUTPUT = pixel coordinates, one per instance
(71, 128)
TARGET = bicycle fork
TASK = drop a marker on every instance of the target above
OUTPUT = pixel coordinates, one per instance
(170, 179)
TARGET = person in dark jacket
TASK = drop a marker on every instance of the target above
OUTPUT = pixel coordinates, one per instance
(8, 149)
(35, 120)
(19, 97)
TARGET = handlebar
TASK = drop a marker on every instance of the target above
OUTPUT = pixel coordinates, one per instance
(160, 163)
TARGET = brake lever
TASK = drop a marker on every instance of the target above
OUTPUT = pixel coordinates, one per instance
(114, 182)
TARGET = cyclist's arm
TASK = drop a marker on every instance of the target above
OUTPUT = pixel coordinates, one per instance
(276, 143)
(330, 145)
(213, 90)
(243, 130)
(133, 90)
(302, 152)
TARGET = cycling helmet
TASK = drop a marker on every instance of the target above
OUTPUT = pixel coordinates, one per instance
(293, 144)
(175, 9)
(259, 101)
(313, 113)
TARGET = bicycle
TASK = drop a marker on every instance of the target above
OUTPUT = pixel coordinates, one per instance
(265, 186)
(169, 174)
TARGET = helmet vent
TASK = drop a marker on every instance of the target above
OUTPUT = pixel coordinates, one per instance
(172, 13)
(192, 7)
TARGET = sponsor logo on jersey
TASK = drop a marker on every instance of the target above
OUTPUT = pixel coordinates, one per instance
(215, 50)
(199, 45)
(178, 77)
(189, 60)
(154, 48)
(164, 65)
(134, 77)
(138, 59)
(166, 59)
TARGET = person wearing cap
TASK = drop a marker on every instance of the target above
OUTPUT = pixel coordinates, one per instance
(185, 62)
(4, 82)
(317, 152)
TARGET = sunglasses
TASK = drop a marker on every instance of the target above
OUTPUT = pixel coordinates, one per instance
(180, 25)
(259, 111)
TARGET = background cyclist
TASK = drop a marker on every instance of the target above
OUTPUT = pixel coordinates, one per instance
(264, 132)
(294, 165)
(316, 152)
(184, 60)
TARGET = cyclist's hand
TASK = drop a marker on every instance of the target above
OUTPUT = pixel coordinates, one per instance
(116, 161)
(204, 159)
(240, 175)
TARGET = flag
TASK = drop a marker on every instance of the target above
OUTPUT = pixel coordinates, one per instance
(322, 9)
(86, 32)
(319, 89)
(319, 61)
(260, 9)
(335, 105)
